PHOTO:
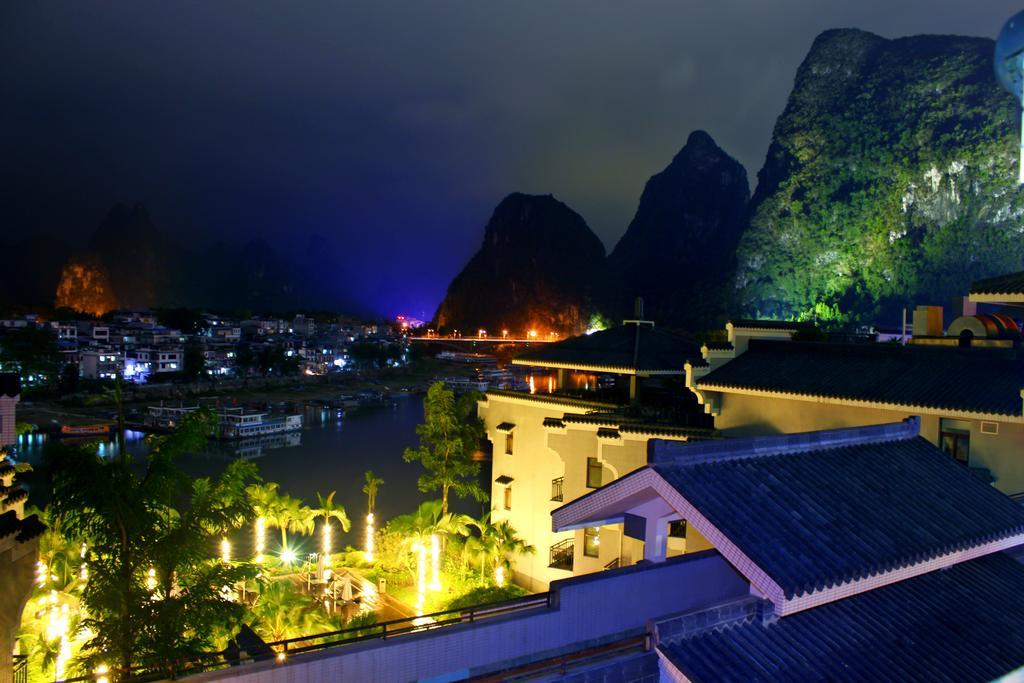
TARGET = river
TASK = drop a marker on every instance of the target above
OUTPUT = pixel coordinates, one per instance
(331, 453)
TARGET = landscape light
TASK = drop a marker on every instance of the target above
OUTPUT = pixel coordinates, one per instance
(369, 537)
(287, 556)
(435, 555)
(421, 575)
(101, 673)
(326, 550)
(151, 579)
(261, 524)
(499, 576)
(225, 550)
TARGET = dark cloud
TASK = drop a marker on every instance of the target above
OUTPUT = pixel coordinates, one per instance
(394, 127)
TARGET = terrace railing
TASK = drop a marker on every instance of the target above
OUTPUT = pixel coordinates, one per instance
(282, 650)
(20, 669)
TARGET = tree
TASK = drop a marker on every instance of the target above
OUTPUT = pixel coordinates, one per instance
(159, 519)
(32, 352)
(281, 611)
(327, 509)
(448, 436)
(373, 482)
(245, 359)
(68, 382)
(291, 515)
(187, 320)
(193, 364)
(493, 544)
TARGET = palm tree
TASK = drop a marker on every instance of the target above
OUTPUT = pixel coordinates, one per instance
(507, 544)
(292, 516)
(266, 502)
(264, 497)
(328, 509)
(282, 611)
(373, 482)
(496, 544)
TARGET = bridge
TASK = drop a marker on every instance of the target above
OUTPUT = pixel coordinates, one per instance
(485, 340)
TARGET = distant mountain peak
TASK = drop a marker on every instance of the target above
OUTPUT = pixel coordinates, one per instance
(679, 247)
(538, 268)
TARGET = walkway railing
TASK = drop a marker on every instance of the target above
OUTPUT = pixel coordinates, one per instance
(282, 650)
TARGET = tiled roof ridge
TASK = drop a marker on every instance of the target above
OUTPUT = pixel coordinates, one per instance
(742, 448)
(801, 347)
(632, 425)
(1007, 283)
(759, 324)
(546, 398)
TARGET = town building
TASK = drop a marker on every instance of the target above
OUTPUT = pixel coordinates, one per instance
(763, 380)
(100, 363)
(591, 428)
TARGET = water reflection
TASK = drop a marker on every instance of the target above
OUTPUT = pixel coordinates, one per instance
(331, 453)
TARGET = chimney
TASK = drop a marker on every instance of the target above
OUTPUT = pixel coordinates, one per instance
(962, 306)
(928, 321)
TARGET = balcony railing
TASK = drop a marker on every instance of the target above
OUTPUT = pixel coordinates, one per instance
(556, 489)
(20, 669)
(561, 554)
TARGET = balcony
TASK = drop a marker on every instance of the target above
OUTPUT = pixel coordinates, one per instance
(556, 489)
(561, 554)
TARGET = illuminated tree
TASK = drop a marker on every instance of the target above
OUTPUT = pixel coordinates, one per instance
(158, 518)
(373, 482)
(291, 515)
(448, 436)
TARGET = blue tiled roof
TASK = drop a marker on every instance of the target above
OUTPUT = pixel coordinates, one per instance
(1011, 283)
(822, 514)
(962, 624)
(972, 380)
(627, 347)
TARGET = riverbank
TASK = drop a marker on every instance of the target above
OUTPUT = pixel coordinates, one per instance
(81, 409)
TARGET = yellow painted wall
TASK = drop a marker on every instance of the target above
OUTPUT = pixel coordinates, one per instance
(541, 455)
(742, 415)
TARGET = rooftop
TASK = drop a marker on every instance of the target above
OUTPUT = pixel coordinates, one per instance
(816, 517)
(1011, 283)
(626, 349)
(817, 510)
(965, 623)
(979, 381)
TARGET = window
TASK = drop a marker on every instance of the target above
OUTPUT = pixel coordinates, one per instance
(677, 529)
(955, 439)
(593, 473)
(508, 443)
(592, 541)
(508, 497)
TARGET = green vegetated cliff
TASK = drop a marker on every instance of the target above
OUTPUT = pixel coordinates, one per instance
(891, 180)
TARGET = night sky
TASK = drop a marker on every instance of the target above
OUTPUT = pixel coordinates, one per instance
(392, 127)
